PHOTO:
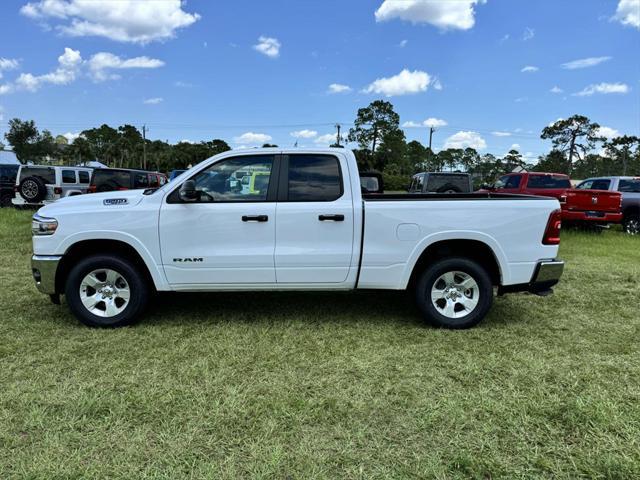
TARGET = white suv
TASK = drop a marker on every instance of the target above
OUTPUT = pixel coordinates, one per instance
(43, 184)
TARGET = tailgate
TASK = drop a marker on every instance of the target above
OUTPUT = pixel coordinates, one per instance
(592, 201)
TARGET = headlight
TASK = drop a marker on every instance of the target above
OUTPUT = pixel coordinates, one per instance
(43, 226)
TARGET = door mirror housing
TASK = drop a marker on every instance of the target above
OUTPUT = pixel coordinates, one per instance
(188, 192)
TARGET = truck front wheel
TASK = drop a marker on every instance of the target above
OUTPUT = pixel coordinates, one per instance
(454, 293)
(106, 291)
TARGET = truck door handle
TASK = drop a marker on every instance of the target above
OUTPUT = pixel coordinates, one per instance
(334, 218)
(255, 218)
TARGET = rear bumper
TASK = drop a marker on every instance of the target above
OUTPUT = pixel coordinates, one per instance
(598, 217)
(44, 269)
(546, 275)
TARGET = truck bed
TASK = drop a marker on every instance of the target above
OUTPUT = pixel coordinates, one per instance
(449, 196)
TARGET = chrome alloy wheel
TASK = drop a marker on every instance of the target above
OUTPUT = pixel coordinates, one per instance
(632, 227)
(104, 293)
(455, 294)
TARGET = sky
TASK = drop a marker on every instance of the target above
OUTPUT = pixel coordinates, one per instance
(488, 74)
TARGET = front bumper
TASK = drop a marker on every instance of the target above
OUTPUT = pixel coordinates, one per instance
(546, 275)
(44, 269)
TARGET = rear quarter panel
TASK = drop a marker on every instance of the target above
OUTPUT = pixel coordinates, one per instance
(397, 232)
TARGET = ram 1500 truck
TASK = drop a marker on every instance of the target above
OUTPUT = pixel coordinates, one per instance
(585, 207)
(306, 225)
(629, 188)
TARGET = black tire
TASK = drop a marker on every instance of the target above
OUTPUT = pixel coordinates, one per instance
(33, 189)
(5, 200)
(430, 278)
(137, 284)
(631, 224)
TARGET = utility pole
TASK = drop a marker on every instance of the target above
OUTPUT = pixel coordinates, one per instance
(338, 134)
(431, 130)
(144, 147)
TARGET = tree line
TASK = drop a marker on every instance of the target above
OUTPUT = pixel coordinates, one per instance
(381, 146)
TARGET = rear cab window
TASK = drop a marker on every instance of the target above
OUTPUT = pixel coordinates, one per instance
(47, 174)
(314, 178)
(83, 176)
(548, 182)
(108, 180)
(629, 185)
(444, 183)
(140, 180)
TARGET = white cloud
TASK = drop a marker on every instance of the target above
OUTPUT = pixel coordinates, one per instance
(584, 63)
(515, 146)
(608, 132)
(434, 122)
(182, 84)
(70, 136)
(429, 122)
(153, 101)
(327, 139)
(628, 13)
(529, 69)
(528, 34)
(556, 89)
(8, 64)
(268, 46)
(71, 66)
(338, 88)
(101, 64)
(464, 139)
(1, 113)
(501, 134)
(604, 88)
(403, 43)
(122, 20)
(304, 134)
(458, 14)
(436, 84)
(404, 83)
(252, 138)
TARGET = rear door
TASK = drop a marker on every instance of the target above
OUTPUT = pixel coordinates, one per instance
(314, 227)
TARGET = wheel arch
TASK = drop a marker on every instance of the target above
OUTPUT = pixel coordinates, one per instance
(631, 210)
(85, 248)
(472, 249)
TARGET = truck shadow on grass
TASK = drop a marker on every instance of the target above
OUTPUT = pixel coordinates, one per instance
(283, 307)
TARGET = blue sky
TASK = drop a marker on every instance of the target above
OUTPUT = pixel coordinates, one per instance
(487, 74)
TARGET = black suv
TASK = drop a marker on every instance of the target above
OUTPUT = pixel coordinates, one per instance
(112, 179)
(8, 174)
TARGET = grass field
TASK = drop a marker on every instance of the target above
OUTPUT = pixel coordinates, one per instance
(293, 385)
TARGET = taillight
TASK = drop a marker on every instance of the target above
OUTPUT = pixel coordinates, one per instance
(552, 232)
(57, 190)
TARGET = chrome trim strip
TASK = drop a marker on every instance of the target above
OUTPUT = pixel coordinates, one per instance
(47, 266)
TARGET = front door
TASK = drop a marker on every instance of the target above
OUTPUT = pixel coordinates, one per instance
(314, 228)
(228, 235)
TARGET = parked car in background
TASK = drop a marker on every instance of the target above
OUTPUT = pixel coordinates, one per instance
(580, 206)
(112, 179)
(174, 173)
(441, 182)
(42, 184)
(306, 227)
(8, 174)
(629, 188)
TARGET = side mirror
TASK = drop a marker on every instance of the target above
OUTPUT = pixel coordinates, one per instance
(188, 192)
(487, 186)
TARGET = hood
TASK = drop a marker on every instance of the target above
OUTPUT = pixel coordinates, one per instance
(122, 199)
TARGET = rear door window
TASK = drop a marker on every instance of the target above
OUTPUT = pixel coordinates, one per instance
(47, 174)
(548, 182)
(508, 181)
(314, 178)
(8, 174)
(68, 176)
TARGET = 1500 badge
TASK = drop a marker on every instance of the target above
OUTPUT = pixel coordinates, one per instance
(116, 201)
(188, 260)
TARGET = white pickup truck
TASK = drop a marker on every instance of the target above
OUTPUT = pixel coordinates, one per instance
(271, 219)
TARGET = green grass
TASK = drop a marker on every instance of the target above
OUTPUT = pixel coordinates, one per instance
(301, 385)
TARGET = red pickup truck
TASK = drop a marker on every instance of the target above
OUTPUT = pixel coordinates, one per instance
(595, 207)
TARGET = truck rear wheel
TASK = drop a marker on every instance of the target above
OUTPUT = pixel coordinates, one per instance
(106, 291)
(631, 224)
(454, 293)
